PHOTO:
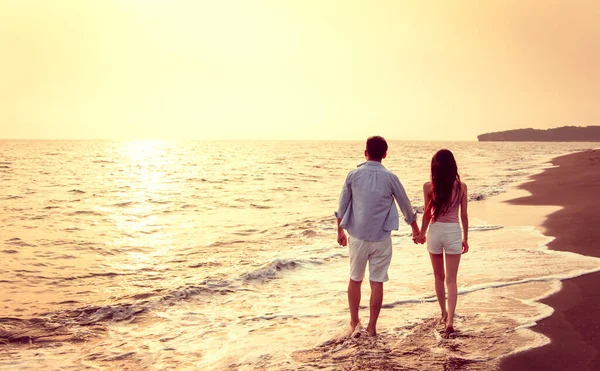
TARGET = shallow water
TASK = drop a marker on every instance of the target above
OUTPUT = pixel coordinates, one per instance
(216, 255)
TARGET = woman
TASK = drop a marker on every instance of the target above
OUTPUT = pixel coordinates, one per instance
(444, 195)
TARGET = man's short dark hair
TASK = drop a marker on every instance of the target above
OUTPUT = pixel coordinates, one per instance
(376, 147)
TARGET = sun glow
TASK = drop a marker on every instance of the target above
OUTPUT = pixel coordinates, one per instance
(263, 69)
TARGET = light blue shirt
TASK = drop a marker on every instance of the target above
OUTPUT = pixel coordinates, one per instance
(366, 205)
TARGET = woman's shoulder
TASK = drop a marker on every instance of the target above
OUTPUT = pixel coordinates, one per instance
(427, 186)
(463, 185)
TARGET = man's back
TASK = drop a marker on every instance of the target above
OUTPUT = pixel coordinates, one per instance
(366, 205)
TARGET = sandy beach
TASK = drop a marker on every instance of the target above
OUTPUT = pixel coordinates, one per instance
(574, 327)
(562, 201)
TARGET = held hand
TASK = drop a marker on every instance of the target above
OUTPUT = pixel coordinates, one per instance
(419, 238)
(342, 240)
(465, 245)
(416, 237)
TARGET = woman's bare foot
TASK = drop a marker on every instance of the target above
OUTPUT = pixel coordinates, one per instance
(355, 330)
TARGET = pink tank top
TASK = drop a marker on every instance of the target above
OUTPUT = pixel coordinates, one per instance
(451, 216)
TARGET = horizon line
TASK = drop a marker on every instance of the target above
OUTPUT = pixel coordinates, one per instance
(227, 140)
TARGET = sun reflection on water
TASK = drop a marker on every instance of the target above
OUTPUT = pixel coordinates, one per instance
(140, 212)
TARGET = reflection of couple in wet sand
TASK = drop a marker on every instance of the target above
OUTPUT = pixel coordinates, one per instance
(367, 211)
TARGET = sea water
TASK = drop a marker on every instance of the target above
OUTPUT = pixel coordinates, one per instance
(223, 255)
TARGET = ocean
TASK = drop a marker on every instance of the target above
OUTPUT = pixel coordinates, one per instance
(158, 255)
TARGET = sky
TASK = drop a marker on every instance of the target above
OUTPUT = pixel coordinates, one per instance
(295, 69)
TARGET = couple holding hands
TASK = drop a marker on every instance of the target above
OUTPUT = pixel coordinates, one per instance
(368, 213)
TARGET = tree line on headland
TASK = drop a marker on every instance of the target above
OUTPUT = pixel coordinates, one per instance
(562, 134)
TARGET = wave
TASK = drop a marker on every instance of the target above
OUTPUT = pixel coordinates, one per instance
(204, 180)
(59, 201)
(158, 202)
(89, 322)
(18, 242)
(271, 269)
(484, 228)
(226, 243)
(206, 264)
(479, 194)
(85, 212)
(76, 191)
(258, 206)
(95, 275)
(125, 204)
(494, 285)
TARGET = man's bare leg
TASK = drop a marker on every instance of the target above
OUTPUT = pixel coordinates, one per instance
(354, 302)
(376, 302)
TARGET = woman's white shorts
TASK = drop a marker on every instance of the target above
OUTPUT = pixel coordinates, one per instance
(444, 237)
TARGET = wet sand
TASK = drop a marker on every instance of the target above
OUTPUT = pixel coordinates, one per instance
(574, 328)
(547, 204)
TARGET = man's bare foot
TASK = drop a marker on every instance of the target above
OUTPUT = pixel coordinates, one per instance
(449, 327)
(371, 330)
(444, 317)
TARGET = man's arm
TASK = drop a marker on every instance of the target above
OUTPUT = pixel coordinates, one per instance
(342, 239)
(344, 202)
(410, 216)
(426, 212)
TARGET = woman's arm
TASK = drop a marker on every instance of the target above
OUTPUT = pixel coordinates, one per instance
(426, 215)
(464, 216)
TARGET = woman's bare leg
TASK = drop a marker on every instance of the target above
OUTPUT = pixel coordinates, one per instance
(437, 262)
(452, 262)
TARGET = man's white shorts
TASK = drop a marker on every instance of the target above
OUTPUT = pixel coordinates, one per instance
(377, 253)
(444, 237)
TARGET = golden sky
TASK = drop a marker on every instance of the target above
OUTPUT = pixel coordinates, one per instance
(295, 69)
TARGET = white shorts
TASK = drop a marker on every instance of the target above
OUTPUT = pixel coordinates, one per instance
(444, 237)
(377, 253)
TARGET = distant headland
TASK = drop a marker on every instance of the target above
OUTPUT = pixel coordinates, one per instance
(562, 134)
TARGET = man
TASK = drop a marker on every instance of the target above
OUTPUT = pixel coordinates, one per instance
(367, 211)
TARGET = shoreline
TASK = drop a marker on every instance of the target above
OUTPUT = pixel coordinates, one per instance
(562, 201)
(490, 334)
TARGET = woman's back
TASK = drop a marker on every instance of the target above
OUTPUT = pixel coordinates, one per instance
(451, 214)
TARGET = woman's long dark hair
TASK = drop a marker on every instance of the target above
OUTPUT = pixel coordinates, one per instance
(444, 176)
